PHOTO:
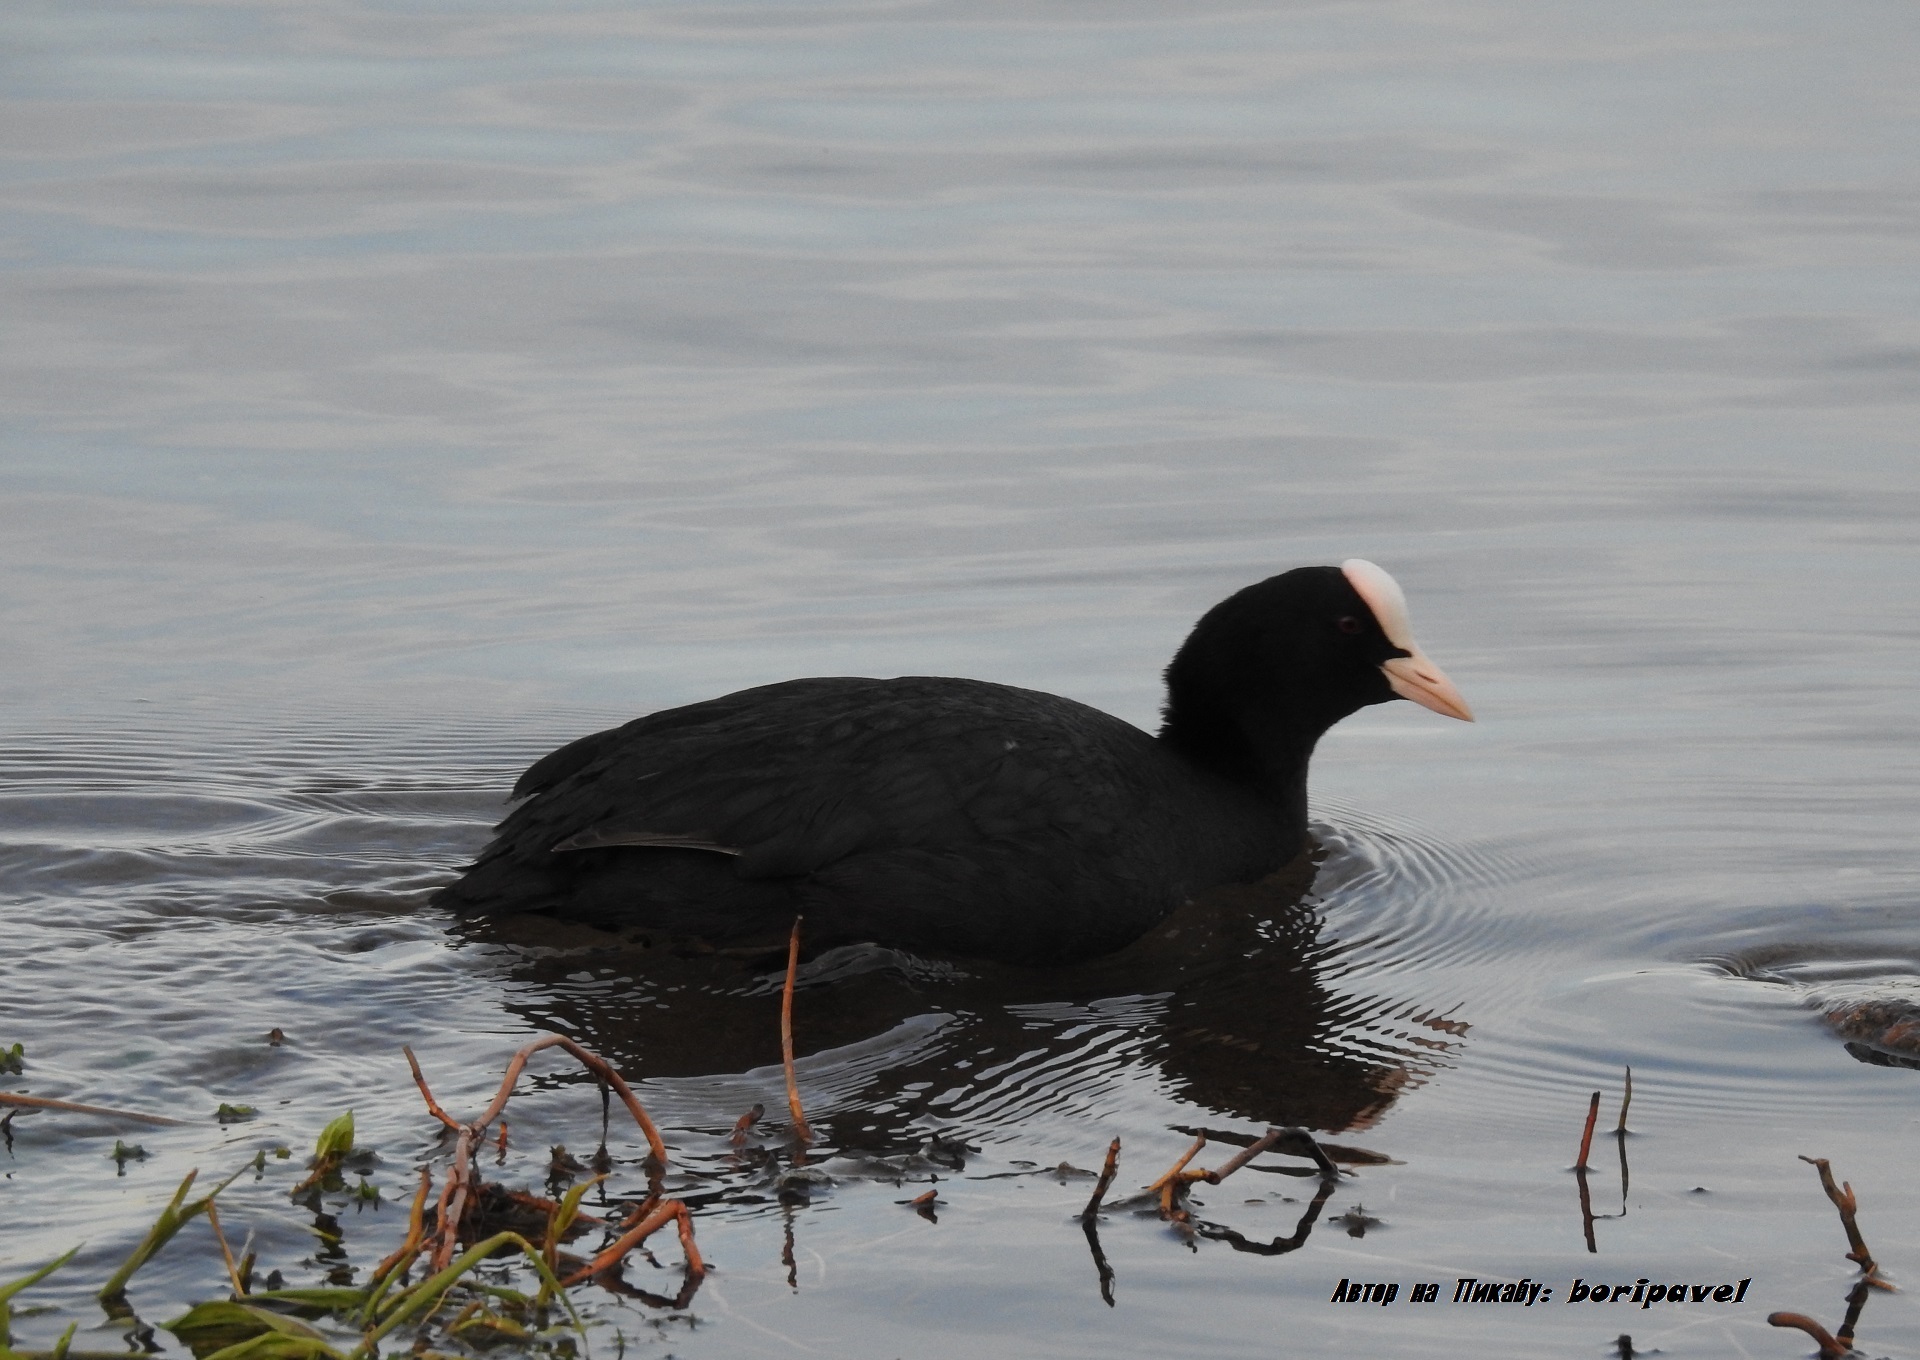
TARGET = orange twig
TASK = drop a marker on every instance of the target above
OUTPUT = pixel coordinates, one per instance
(74, 1107)
(442, 1208)
(420, 1080)
(1586, 1138)
(416, 1229)
(1172, 1185)
(462, 1176)
(1173, 1172)
(1245, 1155)
(747, 1121)
(1179, 1176)
(1829, 1348)
(668, 1210)
(1844, 1200)
(801, 1129)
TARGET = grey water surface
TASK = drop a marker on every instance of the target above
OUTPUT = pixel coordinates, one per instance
(391, 391)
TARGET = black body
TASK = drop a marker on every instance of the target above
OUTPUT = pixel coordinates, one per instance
(947, 816)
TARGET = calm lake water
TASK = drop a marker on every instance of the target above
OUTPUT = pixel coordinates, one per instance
(392, 391)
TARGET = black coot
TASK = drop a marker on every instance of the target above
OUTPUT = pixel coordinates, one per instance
(957, 817)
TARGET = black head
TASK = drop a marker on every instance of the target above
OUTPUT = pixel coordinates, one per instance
(1268, 670)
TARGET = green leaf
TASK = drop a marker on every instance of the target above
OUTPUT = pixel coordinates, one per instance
(234, 1114)
(11, 1060)
(277, 1346)
(512, 1297)
(332, 1147)
(342, 1301)
(493, 1322)
(569, 1209)
(218, 1325)
(336, 1140)
(562, 1220)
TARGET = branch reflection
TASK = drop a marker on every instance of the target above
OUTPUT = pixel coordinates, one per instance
(1225, 1012)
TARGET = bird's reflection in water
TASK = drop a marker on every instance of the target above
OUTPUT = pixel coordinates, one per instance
(1223, 1008)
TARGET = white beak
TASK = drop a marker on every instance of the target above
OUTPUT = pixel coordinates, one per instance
(1412, 677)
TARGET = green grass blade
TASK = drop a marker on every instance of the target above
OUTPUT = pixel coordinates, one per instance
(13, 1287)
(7, 1291)
(171, 1220)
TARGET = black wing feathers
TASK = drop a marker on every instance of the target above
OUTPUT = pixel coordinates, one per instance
(796, 776)
(952, 815)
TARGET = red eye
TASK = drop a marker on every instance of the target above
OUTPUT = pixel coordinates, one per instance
(1350, 624)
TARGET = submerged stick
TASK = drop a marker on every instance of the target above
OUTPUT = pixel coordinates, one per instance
(801, 1129)
(1856, 1300)
(1100, 1187)
(1586, 1137)
(1292, 1140)
(74, 1107)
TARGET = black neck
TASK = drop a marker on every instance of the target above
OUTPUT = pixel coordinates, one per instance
(1257, 748)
